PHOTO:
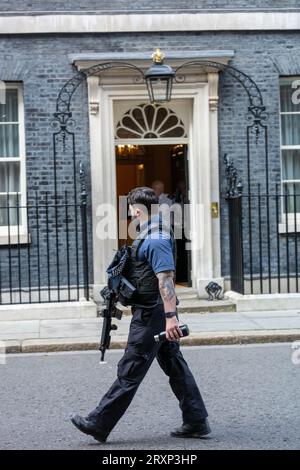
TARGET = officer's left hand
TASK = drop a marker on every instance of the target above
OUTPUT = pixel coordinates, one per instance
(172, 329)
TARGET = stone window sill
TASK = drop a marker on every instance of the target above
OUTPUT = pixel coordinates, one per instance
(22, 239)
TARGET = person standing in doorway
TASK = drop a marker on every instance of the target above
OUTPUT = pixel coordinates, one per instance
(164, 201)
(179, 198)
(151, 270)
(163, 198)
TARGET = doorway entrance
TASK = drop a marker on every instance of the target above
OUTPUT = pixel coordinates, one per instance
(166, 167)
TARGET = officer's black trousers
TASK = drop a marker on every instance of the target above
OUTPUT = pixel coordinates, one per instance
(138, 356)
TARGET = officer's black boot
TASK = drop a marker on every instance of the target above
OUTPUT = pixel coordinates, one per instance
(192, 430)
(85, 425)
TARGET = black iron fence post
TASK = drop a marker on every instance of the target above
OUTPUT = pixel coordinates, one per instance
(234, 198)
(83, 213)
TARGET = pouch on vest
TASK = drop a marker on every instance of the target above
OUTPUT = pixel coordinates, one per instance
(116, 281)
(126, 291)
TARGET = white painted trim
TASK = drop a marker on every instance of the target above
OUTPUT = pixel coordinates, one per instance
(22, 239)
(118, 23)
(178, 57)
(22, 159)
(23, 226)
(152, 141)
(290, 226)
(103, 172)
(124, 106)
(200, 187)
(213, 82)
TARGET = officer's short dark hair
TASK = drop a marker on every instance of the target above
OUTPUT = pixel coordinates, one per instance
(142, 195)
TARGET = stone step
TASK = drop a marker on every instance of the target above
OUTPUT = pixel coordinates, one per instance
(196, 305)
(205, 306)
(264, 302)
(48, 311)
(187, 296)
(185, 291)
(180, 288)
(190, 303)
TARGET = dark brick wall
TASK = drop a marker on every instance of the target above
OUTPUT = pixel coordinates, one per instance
(41, 63)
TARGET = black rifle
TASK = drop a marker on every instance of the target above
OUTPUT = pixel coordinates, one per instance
(108, 312)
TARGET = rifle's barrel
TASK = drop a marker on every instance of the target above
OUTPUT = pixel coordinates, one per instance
(102, 356)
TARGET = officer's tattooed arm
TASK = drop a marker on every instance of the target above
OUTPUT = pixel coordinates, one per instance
(167, 292)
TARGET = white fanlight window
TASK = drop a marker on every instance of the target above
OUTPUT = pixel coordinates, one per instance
(12, 159)
(150, 122)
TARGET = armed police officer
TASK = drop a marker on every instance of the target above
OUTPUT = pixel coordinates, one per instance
(151, 270)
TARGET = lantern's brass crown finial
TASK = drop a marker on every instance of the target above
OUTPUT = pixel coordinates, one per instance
(158, 56)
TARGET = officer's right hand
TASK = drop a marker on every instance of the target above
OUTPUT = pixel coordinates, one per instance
(173, 331)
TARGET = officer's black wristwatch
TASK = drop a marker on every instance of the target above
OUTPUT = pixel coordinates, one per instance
(170, 314)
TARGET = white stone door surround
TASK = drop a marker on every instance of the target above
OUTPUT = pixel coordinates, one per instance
(201, 89)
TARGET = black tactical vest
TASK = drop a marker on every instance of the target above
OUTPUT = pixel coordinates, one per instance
(142, 276)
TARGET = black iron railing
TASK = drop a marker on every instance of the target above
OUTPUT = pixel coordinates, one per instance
(264, 234)
(44, 248)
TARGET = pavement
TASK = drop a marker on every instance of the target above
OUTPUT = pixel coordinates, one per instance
(205, 329)
(251, 393)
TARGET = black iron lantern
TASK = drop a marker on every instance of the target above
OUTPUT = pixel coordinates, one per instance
(159, 79)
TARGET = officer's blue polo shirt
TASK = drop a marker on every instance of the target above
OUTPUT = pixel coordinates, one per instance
(157, 248)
